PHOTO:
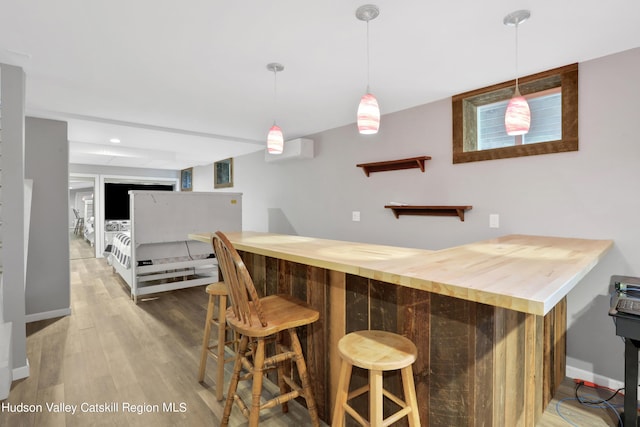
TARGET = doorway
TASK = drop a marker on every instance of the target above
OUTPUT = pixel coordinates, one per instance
(82, 208)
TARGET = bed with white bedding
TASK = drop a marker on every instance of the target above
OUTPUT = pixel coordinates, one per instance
(156, 254)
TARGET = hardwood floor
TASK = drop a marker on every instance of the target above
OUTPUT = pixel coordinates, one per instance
(143, 358)
(577, 414)
(79, 247)
(111, 350)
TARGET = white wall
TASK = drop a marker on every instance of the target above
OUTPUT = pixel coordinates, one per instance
(202, 178)
(13, 213)
(591, 193)
(47, 293)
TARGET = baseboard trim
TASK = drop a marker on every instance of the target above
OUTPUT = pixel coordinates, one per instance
(576, 373)
(21, 372)
(47, 315)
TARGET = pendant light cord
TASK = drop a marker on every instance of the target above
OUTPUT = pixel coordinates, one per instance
(368, 65)
(517, 90)
(275, 94)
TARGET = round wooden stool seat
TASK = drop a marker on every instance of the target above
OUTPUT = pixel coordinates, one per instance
(376, 351)
(218, 288)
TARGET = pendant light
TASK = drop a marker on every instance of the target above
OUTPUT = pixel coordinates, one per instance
(517, 118)
(275, 139)
(368, 110)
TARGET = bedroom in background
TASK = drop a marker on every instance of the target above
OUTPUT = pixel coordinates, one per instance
(81, 216)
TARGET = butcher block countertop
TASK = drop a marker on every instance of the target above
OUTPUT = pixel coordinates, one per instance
(525, 273)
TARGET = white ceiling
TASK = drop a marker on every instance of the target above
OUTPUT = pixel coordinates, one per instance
(185, 83)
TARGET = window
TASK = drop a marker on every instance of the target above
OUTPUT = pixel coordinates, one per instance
(478, 118)
(546, 124)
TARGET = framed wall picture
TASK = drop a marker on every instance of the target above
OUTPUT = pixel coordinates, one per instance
(223, 173)
(186, 179)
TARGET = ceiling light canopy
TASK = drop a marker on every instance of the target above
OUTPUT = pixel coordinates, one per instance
(368, 110)
(275, 139)
(517, 118)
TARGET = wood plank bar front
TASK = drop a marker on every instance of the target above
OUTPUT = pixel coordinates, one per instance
(479, 364)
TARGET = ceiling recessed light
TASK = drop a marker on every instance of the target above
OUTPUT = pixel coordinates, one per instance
(114, 140)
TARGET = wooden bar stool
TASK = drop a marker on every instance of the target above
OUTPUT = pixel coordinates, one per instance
(217, 291)
(259, 319)
(376, 351)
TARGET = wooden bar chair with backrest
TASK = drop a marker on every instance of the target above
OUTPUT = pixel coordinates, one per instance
(258, 319)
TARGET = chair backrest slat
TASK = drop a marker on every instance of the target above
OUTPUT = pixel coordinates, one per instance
(242, 292)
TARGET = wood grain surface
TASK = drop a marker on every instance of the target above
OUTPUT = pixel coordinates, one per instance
(530, 274)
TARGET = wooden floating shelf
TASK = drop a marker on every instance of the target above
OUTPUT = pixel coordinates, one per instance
(390, 165)
(429, 210)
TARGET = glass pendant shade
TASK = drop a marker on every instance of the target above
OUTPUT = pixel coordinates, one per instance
(368, 115)
(517, 119)
(275, 140)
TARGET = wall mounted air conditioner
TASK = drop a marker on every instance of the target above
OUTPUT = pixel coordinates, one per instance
(300, 148)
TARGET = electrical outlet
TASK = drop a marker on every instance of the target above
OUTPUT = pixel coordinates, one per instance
(355, 216)
(494, 221)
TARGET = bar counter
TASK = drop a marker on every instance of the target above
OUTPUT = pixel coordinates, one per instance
(488, 318)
